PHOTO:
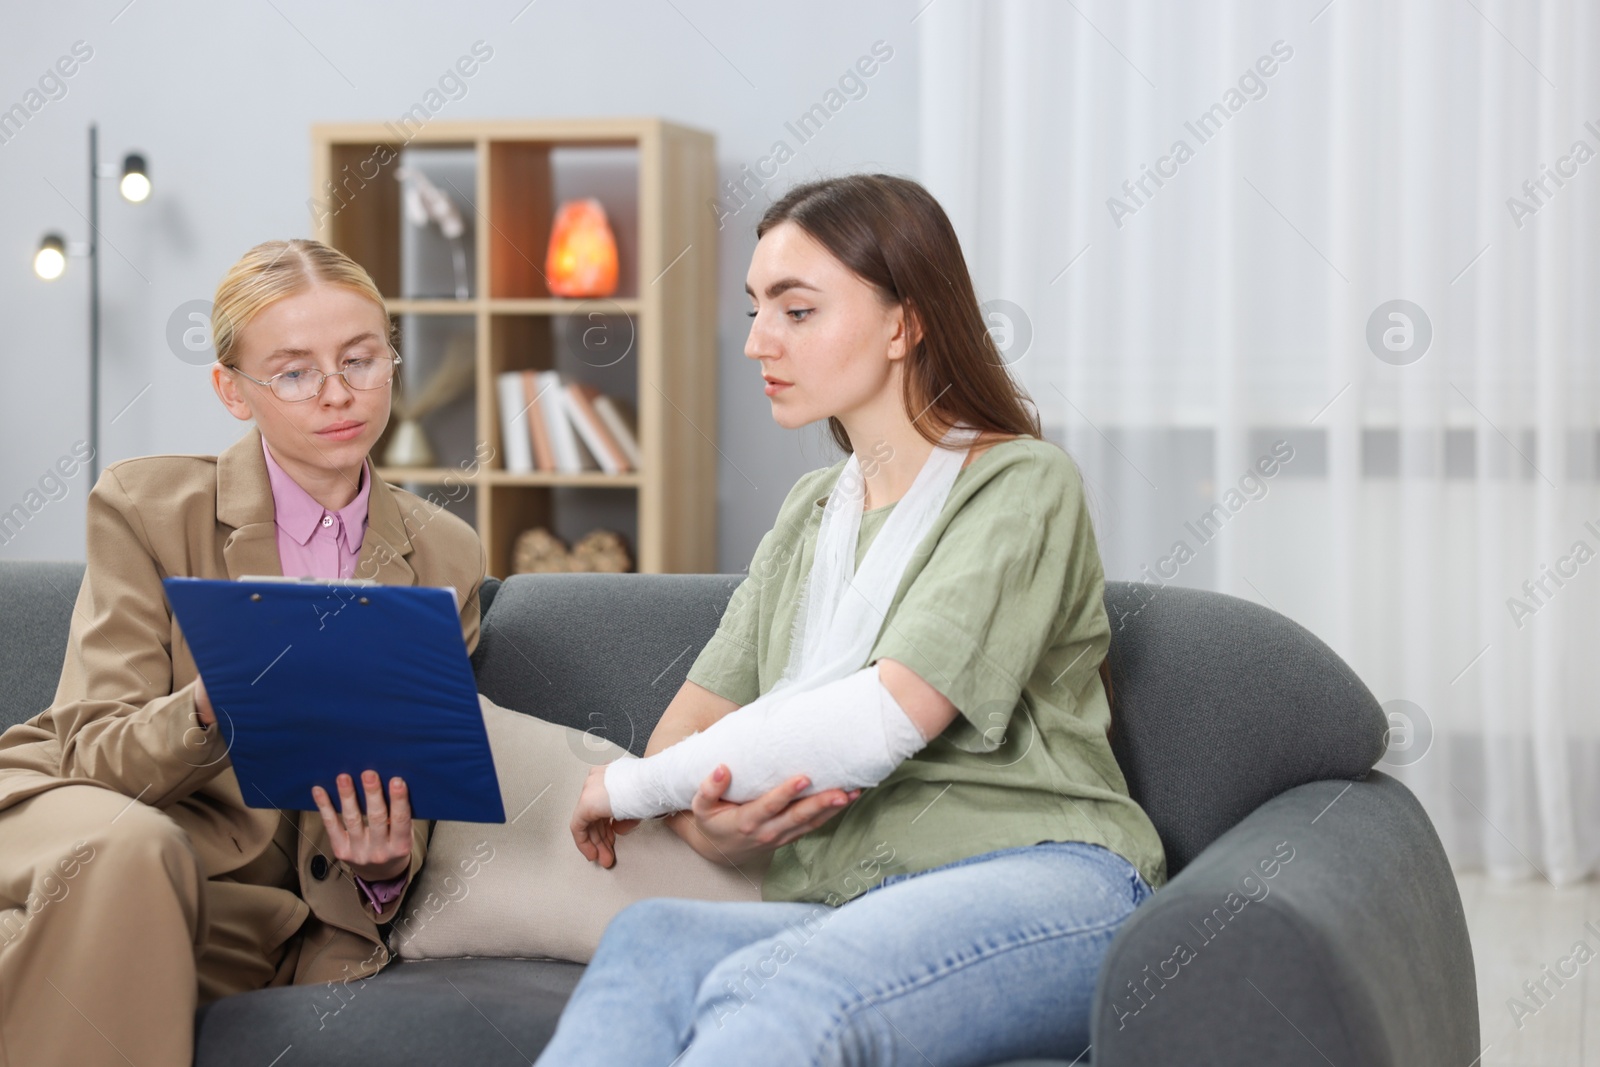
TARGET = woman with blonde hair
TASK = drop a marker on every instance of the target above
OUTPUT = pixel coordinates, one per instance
(135, 881)
(924, 623)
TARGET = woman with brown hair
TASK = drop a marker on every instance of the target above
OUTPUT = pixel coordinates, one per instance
(924, 623)
(135, 879)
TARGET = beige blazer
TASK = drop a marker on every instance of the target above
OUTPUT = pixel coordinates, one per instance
(124, 714)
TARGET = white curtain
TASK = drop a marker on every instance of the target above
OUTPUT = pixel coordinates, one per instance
(1438, 520)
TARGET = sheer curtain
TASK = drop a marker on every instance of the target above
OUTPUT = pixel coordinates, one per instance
(1308, 289)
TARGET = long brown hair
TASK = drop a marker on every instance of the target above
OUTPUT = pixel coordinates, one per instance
(893, 234)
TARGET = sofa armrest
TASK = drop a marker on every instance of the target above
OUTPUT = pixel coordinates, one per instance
(1324, 927)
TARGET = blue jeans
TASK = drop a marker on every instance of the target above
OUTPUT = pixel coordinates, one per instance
(989, 958)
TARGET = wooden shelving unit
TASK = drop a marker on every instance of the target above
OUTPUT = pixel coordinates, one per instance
(652, 343)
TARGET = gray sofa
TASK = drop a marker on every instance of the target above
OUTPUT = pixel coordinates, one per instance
(1310, 917)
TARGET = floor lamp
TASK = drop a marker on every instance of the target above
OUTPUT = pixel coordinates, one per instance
(50, 262)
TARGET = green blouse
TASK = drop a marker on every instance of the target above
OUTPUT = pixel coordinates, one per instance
(1001, 610)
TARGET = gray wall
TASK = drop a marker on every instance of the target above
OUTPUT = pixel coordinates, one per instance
(221, 97)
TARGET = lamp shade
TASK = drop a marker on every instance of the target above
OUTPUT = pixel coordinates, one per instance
(135, 184)
(51, 258)
(582, 259)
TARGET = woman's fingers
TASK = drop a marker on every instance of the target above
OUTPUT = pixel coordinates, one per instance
(349, 810)
(770, 805)
(202, 702)
(581, 836)
(708, 798)
(822, 807)
(775, 818)
(337, 837)
(593, 842)
(400, 813)
(593, 829)
(808, 815)
(717, 782)
(377, 838)
(377, 810)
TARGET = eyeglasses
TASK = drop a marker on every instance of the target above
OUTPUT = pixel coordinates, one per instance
(303, 383)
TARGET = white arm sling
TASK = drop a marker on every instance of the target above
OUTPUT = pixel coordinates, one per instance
(828, 717)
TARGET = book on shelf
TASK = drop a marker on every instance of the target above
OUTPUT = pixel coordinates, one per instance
(548, 424)
(515, 442)
(592, 429)
(620, 422)
(570, 456)
(544, 457)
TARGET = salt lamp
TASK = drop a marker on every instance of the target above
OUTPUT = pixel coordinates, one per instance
(582, 260)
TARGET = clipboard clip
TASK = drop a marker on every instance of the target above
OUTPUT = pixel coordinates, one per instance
(333, 585)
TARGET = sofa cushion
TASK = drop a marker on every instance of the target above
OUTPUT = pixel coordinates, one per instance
(602, 653)
(486, 594)
(483, 1012)
(1219, 705)
(521, 888)
(36, 602)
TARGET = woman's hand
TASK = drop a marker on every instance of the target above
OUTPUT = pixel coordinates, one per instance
(376, 847)
(202, 703)
(593, 828)
(732, 834)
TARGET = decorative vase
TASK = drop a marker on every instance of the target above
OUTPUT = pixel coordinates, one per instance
(408, 447)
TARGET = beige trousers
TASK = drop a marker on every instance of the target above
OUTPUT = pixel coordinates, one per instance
(111, 934)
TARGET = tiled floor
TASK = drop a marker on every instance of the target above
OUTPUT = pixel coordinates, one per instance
(1518, 929)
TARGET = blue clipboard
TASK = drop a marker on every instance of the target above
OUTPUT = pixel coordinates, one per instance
(313, 679)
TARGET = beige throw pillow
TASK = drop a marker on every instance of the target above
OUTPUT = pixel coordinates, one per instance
(521, 888)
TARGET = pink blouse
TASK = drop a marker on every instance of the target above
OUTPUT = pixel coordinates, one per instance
(314, 542)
